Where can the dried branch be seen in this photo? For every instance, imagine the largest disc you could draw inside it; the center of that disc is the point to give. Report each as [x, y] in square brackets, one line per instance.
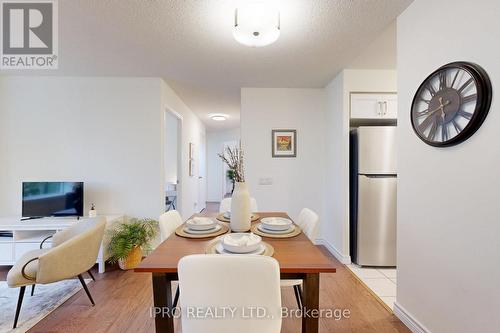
[233, 157]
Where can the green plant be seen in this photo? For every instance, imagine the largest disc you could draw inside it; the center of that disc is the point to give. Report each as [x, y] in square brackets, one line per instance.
[126, 236]
[231, 175]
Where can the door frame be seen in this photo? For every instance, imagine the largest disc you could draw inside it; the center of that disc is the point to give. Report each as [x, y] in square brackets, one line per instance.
[180, 185]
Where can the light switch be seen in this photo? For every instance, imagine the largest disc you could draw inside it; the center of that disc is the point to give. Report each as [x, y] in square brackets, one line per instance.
[265, 181]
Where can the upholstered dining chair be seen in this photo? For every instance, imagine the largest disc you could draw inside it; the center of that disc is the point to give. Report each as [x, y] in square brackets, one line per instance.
[170, 221]
[308, 222]
[73, 252]
[239, 282]
[225, 205]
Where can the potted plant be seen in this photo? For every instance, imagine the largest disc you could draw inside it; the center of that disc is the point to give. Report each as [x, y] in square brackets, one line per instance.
[231, 176]
[240, 200]
[128, 240]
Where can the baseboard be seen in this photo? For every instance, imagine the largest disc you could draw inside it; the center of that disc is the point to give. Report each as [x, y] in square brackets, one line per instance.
[340, 257]
[414, 325]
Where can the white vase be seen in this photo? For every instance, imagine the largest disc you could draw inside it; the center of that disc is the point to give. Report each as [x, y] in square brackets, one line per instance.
[240, 208]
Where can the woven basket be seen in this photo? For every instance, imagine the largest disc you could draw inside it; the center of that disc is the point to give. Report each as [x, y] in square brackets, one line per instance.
[132, 260]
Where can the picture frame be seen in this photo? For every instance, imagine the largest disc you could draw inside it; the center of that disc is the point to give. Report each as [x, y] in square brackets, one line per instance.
[191, 159]
[284, 143]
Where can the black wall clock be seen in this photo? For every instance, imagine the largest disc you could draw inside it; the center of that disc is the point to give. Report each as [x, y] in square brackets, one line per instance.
[451, 104]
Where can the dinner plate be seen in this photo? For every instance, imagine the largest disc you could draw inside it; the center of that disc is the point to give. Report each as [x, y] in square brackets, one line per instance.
[220, 249]
[201, 232]
[267, 231]
[204, 224]
[276, 223]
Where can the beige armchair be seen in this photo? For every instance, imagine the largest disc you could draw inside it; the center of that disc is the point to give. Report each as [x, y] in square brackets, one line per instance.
[73, 252]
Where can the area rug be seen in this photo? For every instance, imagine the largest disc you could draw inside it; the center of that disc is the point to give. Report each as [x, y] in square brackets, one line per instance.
[45, 300]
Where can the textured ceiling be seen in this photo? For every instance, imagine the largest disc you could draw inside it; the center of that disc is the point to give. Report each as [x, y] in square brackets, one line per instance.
[190, 44]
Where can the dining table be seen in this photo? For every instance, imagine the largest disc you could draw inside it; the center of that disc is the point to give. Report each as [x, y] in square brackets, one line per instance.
[297, 256]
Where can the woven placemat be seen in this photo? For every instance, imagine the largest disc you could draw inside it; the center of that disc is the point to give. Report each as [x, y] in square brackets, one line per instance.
[221, 217]
[210, 249]
[180, 232]
[297, 231]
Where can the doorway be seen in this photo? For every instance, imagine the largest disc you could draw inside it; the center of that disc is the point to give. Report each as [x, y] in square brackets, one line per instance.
[172, 163]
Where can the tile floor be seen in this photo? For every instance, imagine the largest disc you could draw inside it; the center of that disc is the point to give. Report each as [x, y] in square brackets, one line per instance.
[382, 281]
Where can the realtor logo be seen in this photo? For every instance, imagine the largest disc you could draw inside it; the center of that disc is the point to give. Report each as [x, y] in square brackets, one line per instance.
[29, 34]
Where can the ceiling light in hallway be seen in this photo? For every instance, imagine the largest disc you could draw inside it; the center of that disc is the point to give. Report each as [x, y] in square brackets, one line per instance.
[218, 117]
[256, 24]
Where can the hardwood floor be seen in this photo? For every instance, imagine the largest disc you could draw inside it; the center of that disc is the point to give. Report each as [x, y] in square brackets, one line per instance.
[123, 300]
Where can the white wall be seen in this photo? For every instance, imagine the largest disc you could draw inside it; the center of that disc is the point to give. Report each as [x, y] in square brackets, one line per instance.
[193, 131]
[171, 133]
[215, 167]
[336, 232]
[107, 132]
[297, 182]
[448, 220]
[103, 131]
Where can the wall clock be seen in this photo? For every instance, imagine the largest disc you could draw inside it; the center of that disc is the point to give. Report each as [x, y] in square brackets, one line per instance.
[451, 104]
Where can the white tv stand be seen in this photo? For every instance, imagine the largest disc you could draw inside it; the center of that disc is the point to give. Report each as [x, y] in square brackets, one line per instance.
[28, 234]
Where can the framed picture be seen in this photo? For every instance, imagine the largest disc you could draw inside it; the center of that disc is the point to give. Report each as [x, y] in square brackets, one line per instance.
[284, 143]
[191, 159]
[191, 167]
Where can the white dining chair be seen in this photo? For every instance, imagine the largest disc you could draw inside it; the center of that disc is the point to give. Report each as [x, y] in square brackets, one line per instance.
[239, 282]
[308, 222]
[225, 205]
[169, 221]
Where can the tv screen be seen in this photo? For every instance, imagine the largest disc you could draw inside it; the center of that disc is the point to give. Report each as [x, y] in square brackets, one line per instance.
[42, 199]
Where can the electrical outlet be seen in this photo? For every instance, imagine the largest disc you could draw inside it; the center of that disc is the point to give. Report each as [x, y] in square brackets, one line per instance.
[265, 181]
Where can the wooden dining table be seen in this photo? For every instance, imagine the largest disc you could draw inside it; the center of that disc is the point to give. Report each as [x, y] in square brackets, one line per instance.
[298, 258]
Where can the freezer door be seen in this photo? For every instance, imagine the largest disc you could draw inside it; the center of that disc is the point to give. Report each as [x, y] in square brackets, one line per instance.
[376, 150]
[376, 225]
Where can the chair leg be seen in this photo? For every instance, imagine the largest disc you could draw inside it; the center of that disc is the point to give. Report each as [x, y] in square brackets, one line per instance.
[91, 276]
[32, 290]
[19, 302]
[298, 295]
[82, 281]
[176, 298]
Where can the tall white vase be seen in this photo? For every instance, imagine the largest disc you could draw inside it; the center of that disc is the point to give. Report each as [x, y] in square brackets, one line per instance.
[240, 208]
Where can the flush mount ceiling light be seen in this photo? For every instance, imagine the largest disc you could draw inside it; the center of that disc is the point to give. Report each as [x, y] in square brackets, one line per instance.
[218, 117]
[256, 24]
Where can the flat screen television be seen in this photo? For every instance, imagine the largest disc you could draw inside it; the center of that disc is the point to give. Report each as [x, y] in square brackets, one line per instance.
[43, 199]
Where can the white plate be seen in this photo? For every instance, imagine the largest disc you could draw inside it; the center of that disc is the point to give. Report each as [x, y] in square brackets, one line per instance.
[235, 242]
[220, 249]
[278, 232]
[276, 223]
[201, 232]
[202, 223]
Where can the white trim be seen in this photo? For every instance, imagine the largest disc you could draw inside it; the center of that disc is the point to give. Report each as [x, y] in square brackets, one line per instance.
[345, 259]
[413, 324]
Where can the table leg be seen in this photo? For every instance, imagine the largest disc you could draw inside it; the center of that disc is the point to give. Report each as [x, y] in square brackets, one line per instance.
[310, 323]
[162, 298]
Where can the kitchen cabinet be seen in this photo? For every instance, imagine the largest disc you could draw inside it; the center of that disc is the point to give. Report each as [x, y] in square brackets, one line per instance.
[374, 106]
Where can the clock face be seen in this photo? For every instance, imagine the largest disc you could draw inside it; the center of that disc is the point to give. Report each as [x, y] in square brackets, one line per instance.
[451, 104]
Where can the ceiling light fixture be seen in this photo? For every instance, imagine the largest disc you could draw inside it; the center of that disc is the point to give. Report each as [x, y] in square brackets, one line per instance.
[218, 117]
[256, 24]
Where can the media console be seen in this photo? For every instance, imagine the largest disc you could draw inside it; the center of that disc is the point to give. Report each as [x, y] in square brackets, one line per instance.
[27, 235]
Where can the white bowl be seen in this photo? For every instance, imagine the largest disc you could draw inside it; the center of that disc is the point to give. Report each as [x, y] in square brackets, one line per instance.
[241, 242]
[200, 223]
[276, 223]
[227, 214]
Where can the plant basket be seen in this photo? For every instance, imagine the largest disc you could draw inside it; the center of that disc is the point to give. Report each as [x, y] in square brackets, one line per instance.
[132, 260]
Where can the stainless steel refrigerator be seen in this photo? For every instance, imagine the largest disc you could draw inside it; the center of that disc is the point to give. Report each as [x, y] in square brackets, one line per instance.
[373, 188]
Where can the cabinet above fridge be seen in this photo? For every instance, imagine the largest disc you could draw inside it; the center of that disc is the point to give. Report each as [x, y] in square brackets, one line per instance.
[376, 107]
